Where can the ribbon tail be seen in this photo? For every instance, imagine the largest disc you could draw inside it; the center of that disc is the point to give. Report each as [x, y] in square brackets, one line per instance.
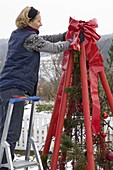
[95, 101]
[95, 120]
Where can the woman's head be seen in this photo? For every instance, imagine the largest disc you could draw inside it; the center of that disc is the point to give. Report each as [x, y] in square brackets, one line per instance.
[29, 16]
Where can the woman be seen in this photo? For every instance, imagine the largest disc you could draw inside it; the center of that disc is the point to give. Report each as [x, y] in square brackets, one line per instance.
[20, 73]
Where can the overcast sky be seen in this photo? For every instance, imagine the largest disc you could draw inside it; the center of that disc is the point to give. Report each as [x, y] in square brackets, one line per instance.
[55, 14]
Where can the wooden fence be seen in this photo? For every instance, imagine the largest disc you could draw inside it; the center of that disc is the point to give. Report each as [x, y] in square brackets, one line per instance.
[40, 128]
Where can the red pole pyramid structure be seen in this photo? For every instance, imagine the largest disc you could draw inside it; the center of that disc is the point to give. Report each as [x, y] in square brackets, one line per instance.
[84, 41]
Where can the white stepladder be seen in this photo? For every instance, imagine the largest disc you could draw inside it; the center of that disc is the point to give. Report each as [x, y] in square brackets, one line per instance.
[5, 147]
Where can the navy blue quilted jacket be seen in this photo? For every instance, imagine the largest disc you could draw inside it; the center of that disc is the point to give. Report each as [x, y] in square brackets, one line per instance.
[21, 67]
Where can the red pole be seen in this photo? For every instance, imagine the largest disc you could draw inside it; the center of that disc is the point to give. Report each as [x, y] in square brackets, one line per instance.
[56, 112]
[61, 116]
[86, 109]
[49, 137]
[51, 126]
[107, 89]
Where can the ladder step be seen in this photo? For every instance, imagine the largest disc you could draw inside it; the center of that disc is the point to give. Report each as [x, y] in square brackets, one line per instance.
[23, 163]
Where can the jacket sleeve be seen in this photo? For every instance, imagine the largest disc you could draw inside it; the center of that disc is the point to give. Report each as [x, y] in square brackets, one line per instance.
[54, 38]
[38, 43]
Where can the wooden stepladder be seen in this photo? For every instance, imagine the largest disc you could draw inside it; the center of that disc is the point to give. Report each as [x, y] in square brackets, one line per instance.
[5, 147]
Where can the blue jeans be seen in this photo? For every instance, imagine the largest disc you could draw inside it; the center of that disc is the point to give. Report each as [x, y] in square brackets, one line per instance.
[16, 120]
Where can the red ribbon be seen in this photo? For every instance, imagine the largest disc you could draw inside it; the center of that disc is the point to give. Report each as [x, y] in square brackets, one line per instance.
[95, 66]
[95, 60]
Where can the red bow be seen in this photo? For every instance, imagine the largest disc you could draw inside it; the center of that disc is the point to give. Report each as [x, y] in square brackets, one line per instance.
[94, 58]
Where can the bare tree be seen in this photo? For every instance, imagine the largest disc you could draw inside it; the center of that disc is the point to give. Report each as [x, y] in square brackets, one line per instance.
[50, 72]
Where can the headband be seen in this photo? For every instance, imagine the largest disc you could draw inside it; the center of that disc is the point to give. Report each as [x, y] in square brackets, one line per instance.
[32, 13]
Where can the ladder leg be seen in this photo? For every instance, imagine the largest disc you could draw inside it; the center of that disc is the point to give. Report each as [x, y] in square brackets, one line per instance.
[8, 156]
[36, 153]
[28, 146]
[31, 141]
[3, 144]
[7, 122]
[1, 153]
[9, 163]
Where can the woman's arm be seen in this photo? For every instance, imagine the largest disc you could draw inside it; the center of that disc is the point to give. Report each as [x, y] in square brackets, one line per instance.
[37, 43]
